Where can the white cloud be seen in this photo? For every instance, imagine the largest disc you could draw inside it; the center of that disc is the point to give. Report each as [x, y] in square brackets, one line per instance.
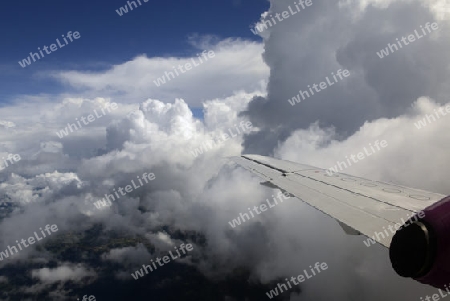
[62, 273]
[237, 65]
[411, 153]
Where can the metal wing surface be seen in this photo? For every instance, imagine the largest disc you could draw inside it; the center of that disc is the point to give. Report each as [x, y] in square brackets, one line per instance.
[362, 205]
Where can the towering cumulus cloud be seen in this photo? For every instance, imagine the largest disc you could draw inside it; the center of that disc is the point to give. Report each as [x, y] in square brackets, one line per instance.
[331, 35]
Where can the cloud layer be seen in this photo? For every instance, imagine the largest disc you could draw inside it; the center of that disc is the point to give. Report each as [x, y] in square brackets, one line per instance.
[236, 65]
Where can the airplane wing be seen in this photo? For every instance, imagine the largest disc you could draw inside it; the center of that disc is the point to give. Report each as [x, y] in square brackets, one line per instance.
[361, 206]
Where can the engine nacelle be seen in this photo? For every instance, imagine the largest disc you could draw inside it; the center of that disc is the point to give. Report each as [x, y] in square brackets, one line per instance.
[421, 249]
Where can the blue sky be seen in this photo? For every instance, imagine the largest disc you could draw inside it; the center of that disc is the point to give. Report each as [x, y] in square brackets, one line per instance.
[157, 28]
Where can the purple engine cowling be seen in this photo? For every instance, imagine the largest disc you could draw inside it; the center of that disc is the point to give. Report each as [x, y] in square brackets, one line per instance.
[421, 249]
